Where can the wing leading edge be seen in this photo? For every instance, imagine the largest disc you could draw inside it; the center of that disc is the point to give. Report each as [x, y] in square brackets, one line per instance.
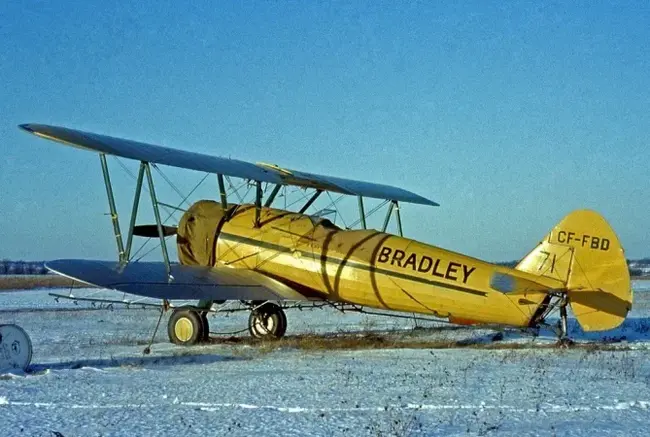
[213, 164]
[190, 282]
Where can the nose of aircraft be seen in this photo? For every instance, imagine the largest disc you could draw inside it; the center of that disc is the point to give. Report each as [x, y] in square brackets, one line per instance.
[197, 233]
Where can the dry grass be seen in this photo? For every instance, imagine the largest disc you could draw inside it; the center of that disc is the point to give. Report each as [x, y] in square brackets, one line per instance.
[30, 282]
[368, 341]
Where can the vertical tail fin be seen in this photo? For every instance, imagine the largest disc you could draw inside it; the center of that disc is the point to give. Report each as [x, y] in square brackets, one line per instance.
[585, 254]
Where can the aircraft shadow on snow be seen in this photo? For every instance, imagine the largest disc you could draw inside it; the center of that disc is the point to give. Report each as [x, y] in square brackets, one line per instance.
[137, 361]
[632, 330]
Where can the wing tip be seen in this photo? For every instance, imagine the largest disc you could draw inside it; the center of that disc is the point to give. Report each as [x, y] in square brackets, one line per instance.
[425, 201]
[26, 127]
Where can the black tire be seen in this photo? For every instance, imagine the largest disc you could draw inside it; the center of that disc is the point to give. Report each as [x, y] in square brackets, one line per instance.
[283, 324]
[267, 322]
[185, 327]
[206, 327]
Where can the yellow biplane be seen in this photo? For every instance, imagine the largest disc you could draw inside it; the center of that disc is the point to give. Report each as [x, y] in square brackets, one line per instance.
[273, 259]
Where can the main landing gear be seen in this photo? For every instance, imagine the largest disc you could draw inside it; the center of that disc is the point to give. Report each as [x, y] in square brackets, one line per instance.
[267, 321]
[189, 325]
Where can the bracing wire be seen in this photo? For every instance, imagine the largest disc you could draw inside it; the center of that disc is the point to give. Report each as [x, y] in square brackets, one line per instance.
[235, 191]
[371, 212]
[169, 216]
[304, 196]
[180, 194]
[130, 173]
[333, 203]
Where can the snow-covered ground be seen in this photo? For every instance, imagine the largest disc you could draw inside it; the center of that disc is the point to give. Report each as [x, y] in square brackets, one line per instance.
[89, 377]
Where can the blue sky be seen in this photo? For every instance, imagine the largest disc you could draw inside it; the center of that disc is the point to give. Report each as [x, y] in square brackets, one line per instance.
[509, 115]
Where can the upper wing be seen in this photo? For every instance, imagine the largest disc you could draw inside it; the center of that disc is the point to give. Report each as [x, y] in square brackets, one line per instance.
[213, 164]
[189, 282]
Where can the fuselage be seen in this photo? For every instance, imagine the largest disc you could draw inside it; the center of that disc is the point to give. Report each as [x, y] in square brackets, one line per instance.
[376, 269]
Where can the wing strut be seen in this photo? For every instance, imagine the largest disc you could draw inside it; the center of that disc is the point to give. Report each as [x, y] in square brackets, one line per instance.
[124, 253]
[156, 212]
[399, 218]
[272, 196]
[222, 192]
[393, 206]
[258, 202]
[388, 214]
[134, 213]
[362, 214]
[111, 205]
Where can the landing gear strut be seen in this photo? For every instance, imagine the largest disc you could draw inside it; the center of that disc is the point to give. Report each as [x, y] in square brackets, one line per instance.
[563, 322]
[267, 321]
[564, 340]
[188, 326]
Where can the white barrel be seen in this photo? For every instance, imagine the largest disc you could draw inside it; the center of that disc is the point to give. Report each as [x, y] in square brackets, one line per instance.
[15, 348]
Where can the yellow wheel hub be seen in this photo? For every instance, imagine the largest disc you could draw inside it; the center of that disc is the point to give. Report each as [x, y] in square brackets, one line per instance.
[183, 329]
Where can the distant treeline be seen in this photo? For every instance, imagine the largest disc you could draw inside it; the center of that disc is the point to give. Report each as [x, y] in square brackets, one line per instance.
[638, 267]
[22, 267]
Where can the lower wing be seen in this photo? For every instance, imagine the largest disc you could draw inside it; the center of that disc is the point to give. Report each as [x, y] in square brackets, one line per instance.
[187, 282]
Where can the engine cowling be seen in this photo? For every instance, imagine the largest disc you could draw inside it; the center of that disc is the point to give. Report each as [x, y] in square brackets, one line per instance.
[197, 233]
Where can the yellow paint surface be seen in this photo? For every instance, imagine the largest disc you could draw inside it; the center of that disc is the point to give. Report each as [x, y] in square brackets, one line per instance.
[376, 269]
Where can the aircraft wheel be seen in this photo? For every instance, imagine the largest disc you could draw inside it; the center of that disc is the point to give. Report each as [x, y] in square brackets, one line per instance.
[186, 327]
[267, 322]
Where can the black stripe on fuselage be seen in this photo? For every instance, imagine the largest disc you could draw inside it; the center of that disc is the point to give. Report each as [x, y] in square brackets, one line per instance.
[357, 265]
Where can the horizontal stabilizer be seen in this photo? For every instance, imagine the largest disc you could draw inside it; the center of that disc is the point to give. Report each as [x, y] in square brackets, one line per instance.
[188, 282]
[214, 164]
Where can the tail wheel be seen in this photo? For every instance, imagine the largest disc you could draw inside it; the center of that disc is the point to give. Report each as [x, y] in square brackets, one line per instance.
[186, 327]
[267, 322]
